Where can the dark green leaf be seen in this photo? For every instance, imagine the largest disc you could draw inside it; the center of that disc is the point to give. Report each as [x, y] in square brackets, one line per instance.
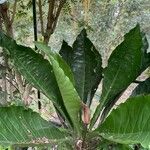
[124, 66]
[144, 64]
[129, 123]
[85, 62]
[67, 53]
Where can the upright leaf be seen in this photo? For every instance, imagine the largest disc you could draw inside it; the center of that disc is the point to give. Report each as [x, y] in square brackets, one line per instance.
[123, 67]
[23, 126]
[85, 62]
[65, 83]
[129, 123]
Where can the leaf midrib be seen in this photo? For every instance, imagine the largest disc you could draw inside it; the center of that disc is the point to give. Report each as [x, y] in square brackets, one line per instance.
[84, 75]
[43, 90]
[110, 88]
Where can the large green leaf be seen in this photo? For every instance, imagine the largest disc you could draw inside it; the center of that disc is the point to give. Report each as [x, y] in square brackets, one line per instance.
[64, 80]
[35, 69]
[85, 62]
[142, 89]
[144, 64]
[129, 123]
[23, 126]
[124, 66]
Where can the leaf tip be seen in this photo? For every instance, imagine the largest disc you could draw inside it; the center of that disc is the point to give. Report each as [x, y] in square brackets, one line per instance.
[83, 32]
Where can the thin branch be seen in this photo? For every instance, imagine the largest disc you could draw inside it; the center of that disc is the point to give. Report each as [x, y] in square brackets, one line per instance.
[50, 19]
[14, 11]
[41, 17]
[26, 94]
[19, 81]
[61, 4]
[7, 74]
[6, 19]
[12, 84]
[74, 18]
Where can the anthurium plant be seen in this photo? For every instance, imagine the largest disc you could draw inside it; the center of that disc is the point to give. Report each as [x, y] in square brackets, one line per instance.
[70, 79]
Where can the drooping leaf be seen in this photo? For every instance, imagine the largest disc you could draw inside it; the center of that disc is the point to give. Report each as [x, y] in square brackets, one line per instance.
[64, 80]
[35, 69]
[85, 62]
[129, 123]
[23, 126]
[142, 89]
[123, 67]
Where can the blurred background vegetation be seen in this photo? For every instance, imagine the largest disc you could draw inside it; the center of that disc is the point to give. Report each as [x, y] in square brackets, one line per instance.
[106, 21]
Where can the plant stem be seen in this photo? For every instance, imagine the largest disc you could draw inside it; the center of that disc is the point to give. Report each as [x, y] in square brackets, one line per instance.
[84, 136]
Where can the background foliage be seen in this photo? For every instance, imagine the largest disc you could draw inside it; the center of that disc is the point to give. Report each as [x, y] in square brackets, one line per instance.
[107, 21]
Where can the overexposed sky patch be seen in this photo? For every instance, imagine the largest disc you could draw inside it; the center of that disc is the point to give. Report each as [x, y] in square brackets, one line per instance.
[2, 1]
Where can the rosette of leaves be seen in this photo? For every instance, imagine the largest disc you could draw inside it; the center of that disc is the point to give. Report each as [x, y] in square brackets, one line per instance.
[70, 79]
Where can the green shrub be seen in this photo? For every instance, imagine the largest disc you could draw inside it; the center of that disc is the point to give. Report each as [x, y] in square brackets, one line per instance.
[70, 80]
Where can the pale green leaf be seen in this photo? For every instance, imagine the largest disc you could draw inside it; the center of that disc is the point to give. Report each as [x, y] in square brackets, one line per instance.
[64, 80]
